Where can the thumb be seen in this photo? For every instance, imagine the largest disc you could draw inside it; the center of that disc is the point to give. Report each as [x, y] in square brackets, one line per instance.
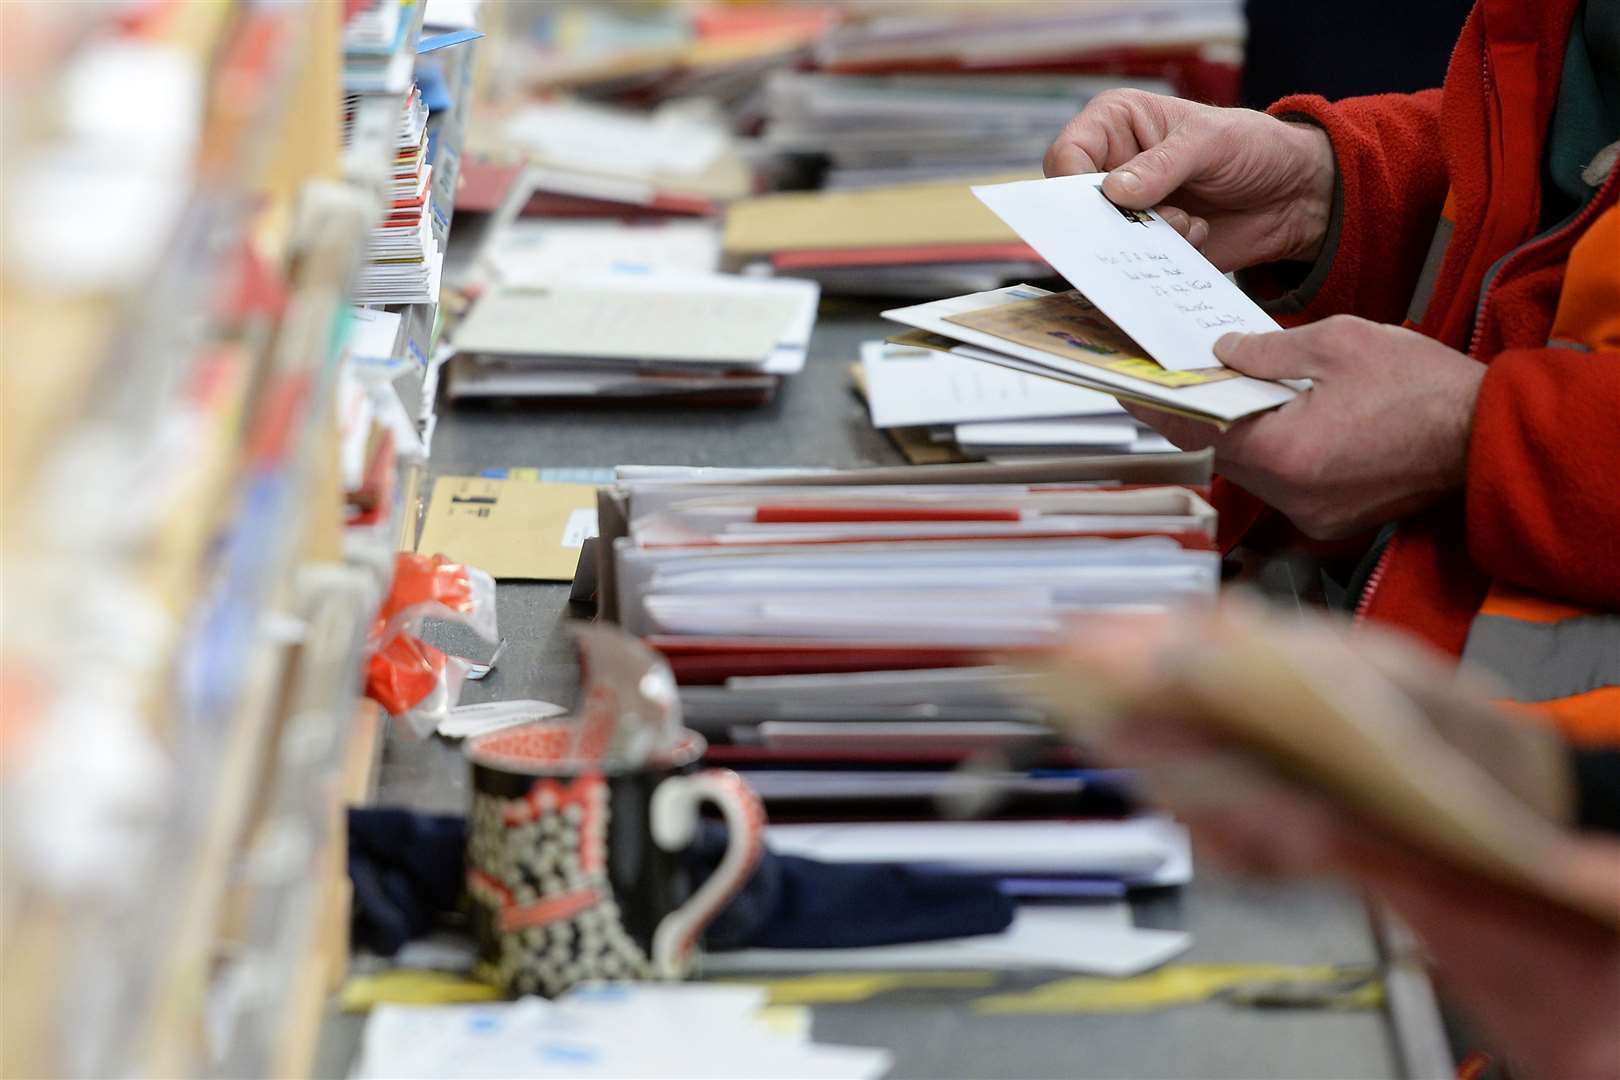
[1275, 355]
[1152, 176]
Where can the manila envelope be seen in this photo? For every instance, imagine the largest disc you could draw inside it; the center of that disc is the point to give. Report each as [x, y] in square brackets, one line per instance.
[512, 529]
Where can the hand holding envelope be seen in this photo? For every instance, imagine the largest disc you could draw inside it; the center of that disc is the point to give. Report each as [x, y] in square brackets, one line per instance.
[1230, 703]
[1299, 749]
[1140, 323]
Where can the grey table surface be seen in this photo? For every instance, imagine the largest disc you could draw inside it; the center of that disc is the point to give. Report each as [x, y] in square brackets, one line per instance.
[817, 420]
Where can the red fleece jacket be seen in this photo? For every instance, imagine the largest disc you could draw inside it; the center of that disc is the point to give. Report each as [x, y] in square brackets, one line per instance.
[1461, 168]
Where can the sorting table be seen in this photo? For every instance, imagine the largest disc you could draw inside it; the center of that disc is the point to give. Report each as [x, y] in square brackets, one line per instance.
[934, 1032]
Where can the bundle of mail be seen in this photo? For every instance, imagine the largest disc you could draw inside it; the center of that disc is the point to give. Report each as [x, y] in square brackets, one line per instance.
[940, 407]
[585, 160]
[831, 611]
[649, 53]
[905, 240]
[1139, 325]
[1166, 38]
[881, 130]
[676, 337]
[377, 52]
[402, 261]
[841, 638]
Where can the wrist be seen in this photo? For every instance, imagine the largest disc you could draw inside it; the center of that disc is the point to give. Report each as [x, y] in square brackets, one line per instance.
[1464, 400]
[1316, 176]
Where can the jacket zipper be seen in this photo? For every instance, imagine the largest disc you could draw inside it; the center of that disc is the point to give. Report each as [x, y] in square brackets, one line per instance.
[1373, 579]
[1369, 588]
[1586, 212]
[1492, 276]
[1589, 210]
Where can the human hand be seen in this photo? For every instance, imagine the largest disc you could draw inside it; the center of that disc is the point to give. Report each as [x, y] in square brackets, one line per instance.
[1382, 433]
[1542, 979]
[1244, 187]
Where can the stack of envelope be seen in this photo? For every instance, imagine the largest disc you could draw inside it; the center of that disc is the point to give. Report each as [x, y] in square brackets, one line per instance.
[377, 45]
[881, 130]
[717, 338]
[1140, 324]
[938, 407]
[403, 263]
[906, 240]
[587, 160]
[857, 617]
[1197, 46]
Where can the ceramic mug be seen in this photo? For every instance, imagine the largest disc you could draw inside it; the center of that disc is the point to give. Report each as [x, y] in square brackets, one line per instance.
[574, 868]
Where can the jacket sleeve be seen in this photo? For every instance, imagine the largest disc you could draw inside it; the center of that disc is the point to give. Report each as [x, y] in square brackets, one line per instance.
[1543, 501]
[1390, 184]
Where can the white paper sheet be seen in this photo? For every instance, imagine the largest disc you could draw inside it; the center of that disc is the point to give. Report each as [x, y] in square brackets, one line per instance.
[1089, 432]
[452, 14]
[907, 387]
[1092, 939]
[1141, 272]
[372, 332]
[622, 141]
[674, 324]
[715, 1030]
[1150, 850]
[545, 251]
[717, 319]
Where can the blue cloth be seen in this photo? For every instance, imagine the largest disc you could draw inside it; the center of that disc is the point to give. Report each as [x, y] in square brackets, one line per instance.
[408, 873]
[797, 903]
[407, 870]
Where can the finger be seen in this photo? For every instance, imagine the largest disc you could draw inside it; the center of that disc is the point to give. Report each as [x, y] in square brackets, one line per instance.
[1197, 232]
[1082, 147]
[1176, 218]
[1185, 433]
[1068, 159]
[1278, 355]
[1110, 130]
[1156, 173]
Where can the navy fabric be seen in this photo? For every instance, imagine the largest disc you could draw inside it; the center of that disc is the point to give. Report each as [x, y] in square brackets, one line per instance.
[798, 903]
[407, 869]
[408, 872]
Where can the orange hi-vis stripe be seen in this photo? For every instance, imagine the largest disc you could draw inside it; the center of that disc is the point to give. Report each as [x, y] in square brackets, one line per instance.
[1589, 719]
[1560, 663]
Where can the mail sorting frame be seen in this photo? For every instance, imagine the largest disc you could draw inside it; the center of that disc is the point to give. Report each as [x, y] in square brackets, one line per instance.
[817, 421]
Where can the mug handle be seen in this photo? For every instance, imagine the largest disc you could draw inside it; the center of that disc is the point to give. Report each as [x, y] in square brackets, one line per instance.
[674, 814]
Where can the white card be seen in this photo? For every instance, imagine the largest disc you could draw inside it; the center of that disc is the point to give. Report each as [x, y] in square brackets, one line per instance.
[675, 321]
[907, 387]
[1143, 274]
[1148, 849]
[1115, 431]
[1092, 939]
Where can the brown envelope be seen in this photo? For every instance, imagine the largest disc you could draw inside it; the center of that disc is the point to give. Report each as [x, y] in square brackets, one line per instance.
[512, 529]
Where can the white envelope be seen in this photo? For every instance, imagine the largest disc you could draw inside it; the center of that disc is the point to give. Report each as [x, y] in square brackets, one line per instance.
[1138, 270]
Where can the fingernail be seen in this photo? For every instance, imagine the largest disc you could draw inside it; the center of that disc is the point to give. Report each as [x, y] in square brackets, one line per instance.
[1227, 344]
[1126, 181]
[1198, 232]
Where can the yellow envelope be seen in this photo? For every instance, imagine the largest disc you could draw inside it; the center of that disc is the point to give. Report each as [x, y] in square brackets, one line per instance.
[910, 215]
[512, 529]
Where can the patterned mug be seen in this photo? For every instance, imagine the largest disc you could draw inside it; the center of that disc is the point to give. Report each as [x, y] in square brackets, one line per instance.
[574, 868]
